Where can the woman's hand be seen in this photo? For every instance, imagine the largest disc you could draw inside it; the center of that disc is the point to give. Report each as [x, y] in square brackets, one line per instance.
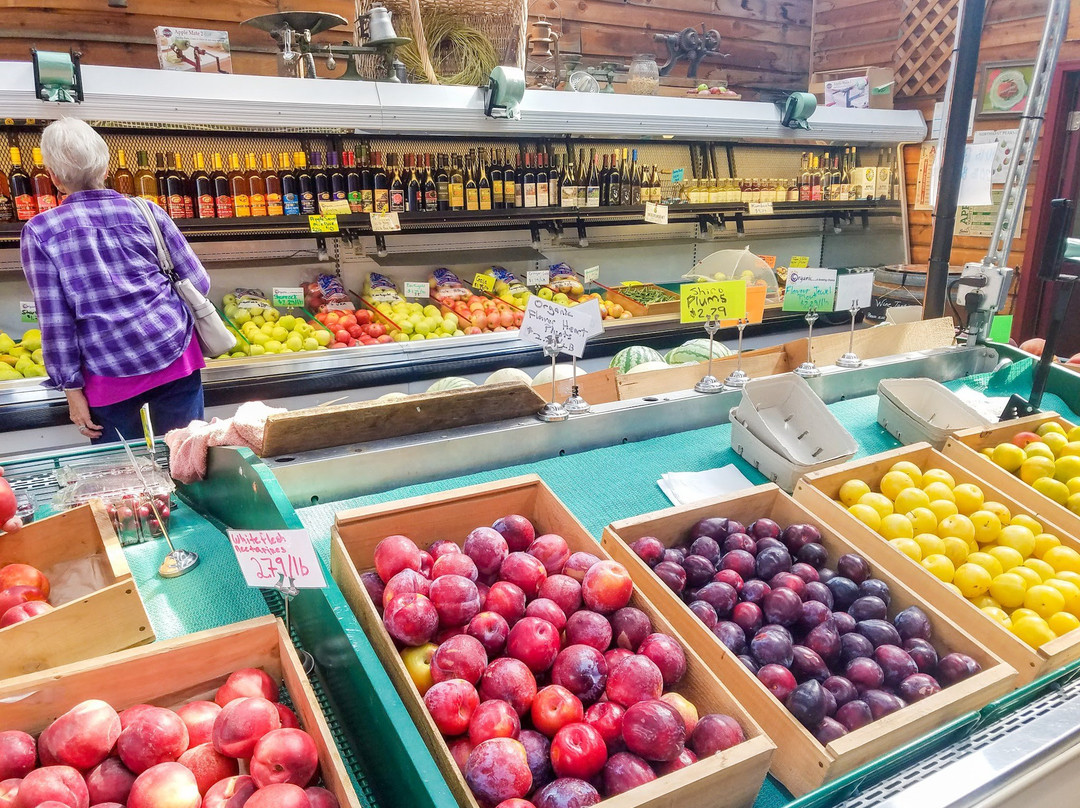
[80, 414]
[12, 524]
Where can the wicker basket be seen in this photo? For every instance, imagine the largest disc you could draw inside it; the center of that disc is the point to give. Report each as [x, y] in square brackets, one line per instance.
[503, 22]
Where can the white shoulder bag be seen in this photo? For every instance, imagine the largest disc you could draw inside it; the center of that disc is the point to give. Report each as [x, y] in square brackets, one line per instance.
[214, 337]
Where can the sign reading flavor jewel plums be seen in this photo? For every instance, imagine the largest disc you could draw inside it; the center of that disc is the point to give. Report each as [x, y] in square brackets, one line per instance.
[568, 326]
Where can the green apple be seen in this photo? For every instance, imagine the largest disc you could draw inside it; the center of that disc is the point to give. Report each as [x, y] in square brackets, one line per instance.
[422, 328]
[323, 337]
[432, 311]
[288, 322]
[271, 314]
[257, 350]
[310, 344]
[279, 333]
[273, 346]
[259, 320]
[400, 336]
[242, 316]
[416, 337]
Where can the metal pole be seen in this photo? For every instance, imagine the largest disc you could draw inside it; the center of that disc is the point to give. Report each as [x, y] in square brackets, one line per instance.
[966, 59]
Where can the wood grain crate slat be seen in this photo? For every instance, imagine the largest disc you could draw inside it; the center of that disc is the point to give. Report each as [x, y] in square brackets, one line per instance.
[966, 445]
[730, 779]
[171, 672]
[801, 763]
[818, 492]
[109, 619]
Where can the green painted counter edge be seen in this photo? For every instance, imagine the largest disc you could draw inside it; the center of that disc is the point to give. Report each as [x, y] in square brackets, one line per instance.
[241, 492]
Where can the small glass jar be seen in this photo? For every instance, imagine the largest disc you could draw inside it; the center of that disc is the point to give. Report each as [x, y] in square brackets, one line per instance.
[644, 75]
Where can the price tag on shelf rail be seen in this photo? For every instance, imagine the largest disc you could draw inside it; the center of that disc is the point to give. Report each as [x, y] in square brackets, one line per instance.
[571, 326]
[537, 277]
[799, 262]
[719, 300]
[485, 283]
[338, 207]
[761, 208]
[417, 289]
[385, 222]
[854, 290]
[810, 290]
[27, 311]
[265, 555]
[677, 174]
[288, 297]
[591, 275]
[655, 214]
[323, 224]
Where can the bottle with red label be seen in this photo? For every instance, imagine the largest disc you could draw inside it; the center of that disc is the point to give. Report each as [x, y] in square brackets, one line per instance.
[41, 182]
[238, 187]
[256, 187]
[175, 190]
[202, 188]
[22, 192]
[7, 209]
[219, 183]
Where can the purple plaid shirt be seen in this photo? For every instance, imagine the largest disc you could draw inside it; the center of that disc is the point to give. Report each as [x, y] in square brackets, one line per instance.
[103, 304]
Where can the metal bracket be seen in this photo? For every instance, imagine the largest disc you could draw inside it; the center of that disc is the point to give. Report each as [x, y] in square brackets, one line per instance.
[380, 245]
[582, 236]
[740, 224]
[534, 234]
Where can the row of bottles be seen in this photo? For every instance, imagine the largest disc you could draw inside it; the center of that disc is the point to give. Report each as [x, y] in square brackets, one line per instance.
[298, 183]
[828, 177]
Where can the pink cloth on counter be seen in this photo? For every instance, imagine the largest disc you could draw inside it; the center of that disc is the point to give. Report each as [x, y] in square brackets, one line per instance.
[101, 391]
[188, 446]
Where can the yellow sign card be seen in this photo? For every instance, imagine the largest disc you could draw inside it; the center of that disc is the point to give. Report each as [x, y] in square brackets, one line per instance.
[323, 224]
[485, 283]
[720, 300]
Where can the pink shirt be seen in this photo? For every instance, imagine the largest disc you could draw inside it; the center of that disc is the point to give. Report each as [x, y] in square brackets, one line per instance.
[104, 390]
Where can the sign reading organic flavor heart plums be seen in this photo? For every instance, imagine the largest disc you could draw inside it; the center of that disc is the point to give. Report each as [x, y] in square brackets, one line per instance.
[266, 555]
[569, 326]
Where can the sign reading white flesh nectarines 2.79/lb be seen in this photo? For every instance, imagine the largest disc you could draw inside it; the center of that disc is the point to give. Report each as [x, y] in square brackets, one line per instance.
[268, 556]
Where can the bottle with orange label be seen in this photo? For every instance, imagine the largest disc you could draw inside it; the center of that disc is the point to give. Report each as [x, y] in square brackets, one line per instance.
[222, 192]
[274, 199]
[256, 187]
[202, 188]
[41, 182]
[238, 188]
[22, 191]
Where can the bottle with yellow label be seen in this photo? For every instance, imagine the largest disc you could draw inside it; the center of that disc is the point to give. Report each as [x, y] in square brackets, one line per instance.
[238, 185]
[256, 187]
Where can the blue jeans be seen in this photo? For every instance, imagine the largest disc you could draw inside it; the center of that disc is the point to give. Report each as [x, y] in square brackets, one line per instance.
[173, 405]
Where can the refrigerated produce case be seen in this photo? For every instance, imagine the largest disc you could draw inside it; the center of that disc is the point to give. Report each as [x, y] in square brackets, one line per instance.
[604, 467]
[166, 112]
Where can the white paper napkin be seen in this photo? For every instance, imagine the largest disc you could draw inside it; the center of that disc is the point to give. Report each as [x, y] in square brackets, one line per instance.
[684, 487]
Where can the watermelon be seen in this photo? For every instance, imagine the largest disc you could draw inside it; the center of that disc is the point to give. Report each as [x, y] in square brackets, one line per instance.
[564, 371]
[392, 397]
[696, 350]
[508, 375]
[450, 383]
[627, 358]
[645, 367]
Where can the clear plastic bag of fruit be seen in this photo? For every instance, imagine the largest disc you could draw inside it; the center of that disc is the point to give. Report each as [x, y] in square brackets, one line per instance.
[447, 287]
[562, 278]
[379, 288]
[326, 293]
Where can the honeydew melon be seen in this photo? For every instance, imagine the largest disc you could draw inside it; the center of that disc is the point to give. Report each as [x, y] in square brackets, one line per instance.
[561, 372]
[508, 375]
[645, 367]
[450, 383]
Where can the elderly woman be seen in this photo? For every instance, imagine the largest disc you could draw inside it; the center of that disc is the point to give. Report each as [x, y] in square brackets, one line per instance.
[114, 333]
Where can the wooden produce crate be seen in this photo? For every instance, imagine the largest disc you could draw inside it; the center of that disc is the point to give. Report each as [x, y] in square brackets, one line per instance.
[801, 762]
[731, 778]
[110, 619]
[818, 490]
[174, 672]
[668, 306]
[966, 445]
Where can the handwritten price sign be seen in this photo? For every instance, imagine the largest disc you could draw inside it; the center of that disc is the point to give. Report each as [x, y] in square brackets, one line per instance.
[568, 326]
[722, 300]
[485, 283]
[810, 290]
[267, 555]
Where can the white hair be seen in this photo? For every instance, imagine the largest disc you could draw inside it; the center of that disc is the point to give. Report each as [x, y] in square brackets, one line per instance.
[76, 155]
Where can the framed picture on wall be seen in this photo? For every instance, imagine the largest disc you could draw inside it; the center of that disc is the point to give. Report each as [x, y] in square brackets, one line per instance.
[1004, 89]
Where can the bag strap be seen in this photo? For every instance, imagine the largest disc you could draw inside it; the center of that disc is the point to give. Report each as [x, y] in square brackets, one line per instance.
[165, 262]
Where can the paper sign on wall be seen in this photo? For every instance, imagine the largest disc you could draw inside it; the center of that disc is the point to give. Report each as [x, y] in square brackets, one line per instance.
[416, 289]
[1006, 148]
[537, 277]
[978, 170]
[755, 305]
[288, 297]
[854, 290]
[719, 300]
[266, 555]
[485, 283]
[810, 290]
[27, 311]
[568, 326]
